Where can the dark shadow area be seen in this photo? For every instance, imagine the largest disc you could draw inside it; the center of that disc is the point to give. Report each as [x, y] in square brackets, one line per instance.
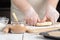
[5, 9]
[58, 8]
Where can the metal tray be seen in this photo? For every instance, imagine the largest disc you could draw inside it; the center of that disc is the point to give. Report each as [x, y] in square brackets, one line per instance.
[46, 35]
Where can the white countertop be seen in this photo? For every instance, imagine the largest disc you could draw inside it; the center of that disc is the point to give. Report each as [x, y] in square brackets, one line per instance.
[27, 36]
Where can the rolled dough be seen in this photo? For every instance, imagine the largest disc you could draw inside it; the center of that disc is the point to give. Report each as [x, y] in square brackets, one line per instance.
[44, 24]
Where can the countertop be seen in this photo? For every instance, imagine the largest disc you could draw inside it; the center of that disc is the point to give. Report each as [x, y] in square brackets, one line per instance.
[25, 36]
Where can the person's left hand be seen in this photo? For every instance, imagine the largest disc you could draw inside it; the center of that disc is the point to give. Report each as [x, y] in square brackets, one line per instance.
[51, 15]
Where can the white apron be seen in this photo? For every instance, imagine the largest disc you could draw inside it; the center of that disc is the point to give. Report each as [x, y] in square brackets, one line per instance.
[38, 5]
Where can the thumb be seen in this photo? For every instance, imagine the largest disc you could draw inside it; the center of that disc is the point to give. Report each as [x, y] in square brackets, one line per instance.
[44, 19]
[38, 20]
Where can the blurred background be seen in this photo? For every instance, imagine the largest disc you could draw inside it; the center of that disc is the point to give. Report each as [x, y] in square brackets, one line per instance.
[5, 9]
[58, 8]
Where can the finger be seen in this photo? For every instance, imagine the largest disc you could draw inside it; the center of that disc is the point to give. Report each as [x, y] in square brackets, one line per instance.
[38, 20]
[25, 20]
[44, 19]
[33, 21]
[29, 21]
[48, 19]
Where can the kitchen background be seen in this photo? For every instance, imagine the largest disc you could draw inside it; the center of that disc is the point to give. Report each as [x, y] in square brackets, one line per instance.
[5, 6]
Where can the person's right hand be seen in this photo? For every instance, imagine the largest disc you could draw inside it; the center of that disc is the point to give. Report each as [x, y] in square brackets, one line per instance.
[51, 15]
[32, 18]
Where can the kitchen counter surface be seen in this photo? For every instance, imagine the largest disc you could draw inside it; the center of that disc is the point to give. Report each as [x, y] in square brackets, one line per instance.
[25, 36]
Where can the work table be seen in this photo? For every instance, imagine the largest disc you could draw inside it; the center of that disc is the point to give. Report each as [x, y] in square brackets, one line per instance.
[27, 36]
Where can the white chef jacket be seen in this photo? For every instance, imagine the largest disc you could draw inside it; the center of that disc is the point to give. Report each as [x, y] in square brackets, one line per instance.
[38, 5]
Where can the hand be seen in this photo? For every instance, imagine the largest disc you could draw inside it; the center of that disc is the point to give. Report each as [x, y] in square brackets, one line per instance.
[31, 18]
[51, 15]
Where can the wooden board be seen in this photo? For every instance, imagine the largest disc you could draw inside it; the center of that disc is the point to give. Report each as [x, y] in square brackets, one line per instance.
[38, 30]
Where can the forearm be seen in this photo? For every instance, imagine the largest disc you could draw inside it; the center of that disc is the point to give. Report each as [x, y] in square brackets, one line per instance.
[23, 5]
[53, 3]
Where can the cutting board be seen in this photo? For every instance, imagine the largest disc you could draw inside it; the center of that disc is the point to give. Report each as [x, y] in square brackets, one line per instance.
[37, 30]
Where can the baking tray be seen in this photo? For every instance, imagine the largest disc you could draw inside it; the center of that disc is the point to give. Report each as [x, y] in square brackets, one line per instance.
[46, 35]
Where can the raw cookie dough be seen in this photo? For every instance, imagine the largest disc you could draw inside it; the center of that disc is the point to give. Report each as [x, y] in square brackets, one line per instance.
[44, 24]
[16, 28]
